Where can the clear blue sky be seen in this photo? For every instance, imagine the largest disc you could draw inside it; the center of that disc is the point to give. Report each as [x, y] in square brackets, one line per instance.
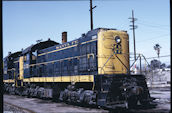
[26, 22]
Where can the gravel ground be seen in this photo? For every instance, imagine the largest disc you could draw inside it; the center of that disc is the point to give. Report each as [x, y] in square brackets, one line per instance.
[8, 108]
[47, 106]
[162, 96]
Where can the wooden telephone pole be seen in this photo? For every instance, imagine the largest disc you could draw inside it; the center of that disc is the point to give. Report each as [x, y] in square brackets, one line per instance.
[133, 27]
[91, 14]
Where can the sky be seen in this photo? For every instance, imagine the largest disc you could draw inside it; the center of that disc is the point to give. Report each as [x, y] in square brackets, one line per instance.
[24, 22]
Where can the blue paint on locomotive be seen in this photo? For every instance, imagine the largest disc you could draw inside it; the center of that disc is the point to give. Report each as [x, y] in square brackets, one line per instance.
[11, 66]
[67, 59]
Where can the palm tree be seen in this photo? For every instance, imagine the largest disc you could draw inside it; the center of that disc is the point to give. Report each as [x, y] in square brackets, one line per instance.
[157, 48]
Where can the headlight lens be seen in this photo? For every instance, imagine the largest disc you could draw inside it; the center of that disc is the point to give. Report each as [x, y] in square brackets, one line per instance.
[118, 39]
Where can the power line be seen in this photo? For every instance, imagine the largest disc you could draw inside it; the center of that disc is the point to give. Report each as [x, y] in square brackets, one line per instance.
[154, 26]
[159, 57]
[160, 36]
[152, 57]
[152, 23]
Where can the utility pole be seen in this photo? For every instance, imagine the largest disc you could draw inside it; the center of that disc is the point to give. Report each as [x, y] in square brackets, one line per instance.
[91, 14]
[133, 27]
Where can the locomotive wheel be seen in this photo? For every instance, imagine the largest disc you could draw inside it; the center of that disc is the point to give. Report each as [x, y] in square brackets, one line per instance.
[132, 102]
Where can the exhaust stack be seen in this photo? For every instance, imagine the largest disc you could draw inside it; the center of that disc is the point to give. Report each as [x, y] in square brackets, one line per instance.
[64, 37]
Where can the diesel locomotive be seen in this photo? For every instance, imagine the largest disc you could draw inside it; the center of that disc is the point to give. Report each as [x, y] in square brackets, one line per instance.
[93, 69]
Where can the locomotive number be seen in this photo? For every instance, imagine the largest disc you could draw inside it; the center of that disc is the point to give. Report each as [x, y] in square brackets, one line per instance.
[117, 49]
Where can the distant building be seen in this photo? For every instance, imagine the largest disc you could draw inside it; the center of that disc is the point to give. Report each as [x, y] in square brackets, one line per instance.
[167, 69]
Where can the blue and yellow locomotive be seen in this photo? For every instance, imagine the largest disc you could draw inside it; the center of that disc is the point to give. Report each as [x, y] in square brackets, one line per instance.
[93, 69]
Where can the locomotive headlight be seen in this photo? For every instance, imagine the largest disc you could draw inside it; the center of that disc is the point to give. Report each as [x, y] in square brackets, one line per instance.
[118, 39]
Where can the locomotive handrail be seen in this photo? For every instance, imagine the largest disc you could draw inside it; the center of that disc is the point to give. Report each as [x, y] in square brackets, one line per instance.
[139, 56]
[134, 61]
[128, 71]
[106, 62]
